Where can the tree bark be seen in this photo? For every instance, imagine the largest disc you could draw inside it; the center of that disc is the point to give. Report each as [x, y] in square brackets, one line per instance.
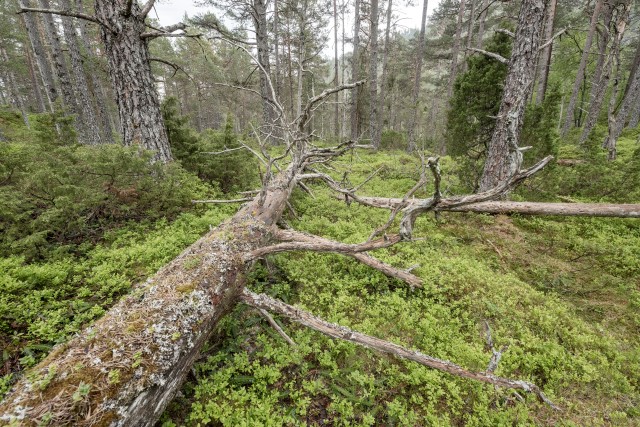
[355, 73]
[568, 122]
[483, 19]
[471, 24]
[99, 93]
[453, 73]
[41, 59]
[41, 106]
[385, 72]
[259, 15]
[14, 91]
[62, 72]
[545, 56]
[601, 76]
[504, 157]
[417, 79]
[373, 76]
[128, 56]
[336, 78]
[90, 124]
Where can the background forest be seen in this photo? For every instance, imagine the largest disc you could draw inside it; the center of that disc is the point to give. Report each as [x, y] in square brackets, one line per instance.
[101, 184]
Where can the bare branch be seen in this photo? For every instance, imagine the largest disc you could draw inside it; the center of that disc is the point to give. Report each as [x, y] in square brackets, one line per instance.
[246, 199]
[495, 354]
[548, 42]
[69, 13]
[147, 8]
[340, 332]
[306, 111]
[226, 150]
[175, 67]
[490, 54]
[275, 326]
[388, 270]
[507, 32]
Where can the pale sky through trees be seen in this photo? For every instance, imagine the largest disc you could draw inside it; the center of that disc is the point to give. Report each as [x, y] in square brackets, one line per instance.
[171, 11]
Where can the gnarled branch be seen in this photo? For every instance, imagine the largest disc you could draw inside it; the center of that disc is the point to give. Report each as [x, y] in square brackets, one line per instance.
[341, 332]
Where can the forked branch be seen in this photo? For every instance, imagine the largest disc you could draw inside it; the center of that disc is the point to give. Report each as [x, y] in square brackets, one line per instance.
[307, 319]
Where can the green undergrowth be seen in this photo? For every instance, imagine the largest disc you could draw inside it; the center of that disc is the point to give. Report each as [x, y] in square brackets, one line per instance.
[43, 303]
[562, 293]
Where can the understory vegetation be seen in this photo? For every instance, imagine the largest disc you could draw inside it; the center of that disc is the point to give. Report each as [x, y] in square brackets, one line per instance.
[80, 225]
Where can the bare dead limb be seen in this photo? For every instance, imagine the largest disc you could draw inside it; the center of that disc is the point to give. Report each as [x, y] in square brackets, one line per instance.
[341, 332]
[507, 32]
[226, 150]
[556, 35]
[495, 354]
[560, 209]
[147, 8]
[490, 54]
[69, 13]
[386, 269]
[275, 326]
[246, 199]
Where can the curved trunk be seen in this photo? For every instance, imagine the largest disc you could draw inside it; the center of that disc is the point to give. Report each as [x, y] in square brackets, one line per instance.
[503, 157]
[128, 56]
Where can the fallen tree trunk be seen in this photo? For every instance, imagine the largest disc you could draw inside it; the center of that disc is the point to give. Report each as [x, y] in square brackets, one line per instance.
[560, 209]
[124, 369]
[525, 208]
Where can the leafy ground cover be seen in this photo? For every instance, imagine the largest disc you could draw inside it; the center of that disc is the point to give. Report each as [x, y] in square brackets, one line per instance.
[562, 293]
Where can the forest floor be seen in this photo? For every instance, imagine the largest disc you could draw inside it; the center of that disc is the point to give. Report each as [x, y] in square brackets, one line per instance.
[562, 293]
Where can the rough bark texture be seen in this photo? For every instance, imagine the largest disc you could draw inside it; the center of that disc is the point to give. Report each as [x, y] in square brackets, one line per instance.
[616, 121]
[259, 16]
[373, 75]
[336, 78]
[355, 72]
[470, 25]
[41, 59]
[453, 72]
[601, 76]
[411, 130]
[99, 94]
[483, 18]
[41, 106]
[504, 157]
[545, 56]
[385, 72]
[13, 88]
[60, 66]
[91, 123]
[568, 122]
[152, 337]
[128, 56]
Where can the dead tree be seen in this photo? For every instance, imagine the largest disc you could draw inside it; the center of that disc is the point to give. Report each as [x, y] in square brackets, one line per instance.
[124, 369]
[126, 37]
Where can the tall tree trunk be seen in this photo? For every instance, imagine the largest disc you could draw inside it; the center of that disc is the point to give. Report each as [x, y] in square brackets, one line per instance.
[456, 48]
[41, 58]
[483, 19]
[617, 121]
[336, 78]
[128, 56]
[41, 107]
[545, 56]
[634, 67]
[99, 92]
[14, 91]
[373, 75]
[472, 22]
[601, 75]
[60, 66]
[355, 74]
[81, 85]
[568, 122]
[417, 79]
[276, 45]
[259, 13]
[504, 157]
[385, 71]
